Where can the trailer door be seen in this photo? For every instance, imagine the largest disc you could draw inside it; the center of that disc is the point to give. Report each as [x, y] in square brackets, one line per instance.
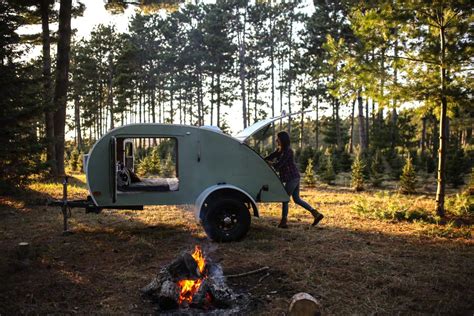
[113, 168]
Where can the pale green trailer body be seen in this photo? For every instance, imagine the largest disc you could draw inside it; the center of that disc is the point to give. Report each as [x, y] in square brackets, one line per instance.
[205, 158]
[211, 167]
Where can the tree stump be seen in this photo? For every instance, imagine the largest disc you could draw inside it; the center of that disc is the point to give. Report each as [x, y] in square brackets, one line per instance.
[23, 251]
[303, 304]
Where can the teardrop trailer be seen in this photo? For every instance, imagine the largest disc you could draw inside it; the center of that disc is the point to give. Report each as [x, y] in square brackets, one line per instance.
[220, 174]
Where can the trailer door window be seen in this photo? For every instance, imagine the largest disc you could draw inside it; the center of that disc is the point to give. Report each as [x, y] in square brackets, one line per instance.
[148, 164]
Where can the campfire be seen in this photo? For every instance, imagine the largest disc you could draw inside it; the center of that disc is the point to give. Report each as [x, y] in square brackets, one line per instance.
[190, 281]
[187, 287]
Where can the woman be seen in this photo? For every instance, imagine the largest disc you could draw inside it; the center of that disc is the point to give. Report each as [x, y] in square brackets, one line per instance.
[283, 161]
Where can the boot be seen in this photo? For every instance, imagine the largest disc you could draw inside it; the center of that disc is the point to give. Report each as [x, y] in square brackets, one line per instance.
[283, 223]
[317, 217]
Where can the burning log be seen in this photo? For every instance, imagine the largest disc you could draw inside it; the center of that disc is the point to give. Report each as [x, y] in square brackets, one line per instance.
[190, 281]
[184, 267]
[169, 295]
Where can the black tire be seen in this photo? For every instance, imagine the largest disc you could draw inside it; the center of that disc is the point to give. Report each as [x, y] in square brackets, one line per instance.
[226, 219]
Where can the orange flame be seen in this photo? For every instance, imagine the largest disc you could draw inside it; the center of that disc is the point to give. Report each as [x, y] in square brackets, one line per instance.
[199, 258]
[189, 287]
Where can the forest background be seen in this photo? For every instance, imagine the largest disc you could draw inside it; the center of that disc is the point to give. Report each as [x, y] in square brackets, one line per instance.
[389, 83]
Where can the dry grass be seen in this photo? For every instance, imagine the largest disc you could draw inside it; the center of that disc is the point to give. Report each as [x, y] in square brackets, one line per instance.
[351, 263]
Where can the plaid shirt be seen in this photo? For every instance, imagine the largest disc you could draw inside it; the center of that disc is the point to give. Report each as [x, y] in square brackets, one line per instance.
[285, 164]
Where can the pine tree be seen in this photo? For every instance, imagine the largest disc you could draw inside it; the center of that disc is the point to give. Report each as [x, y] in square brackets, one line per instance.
[470, 187]
[328, 175]
[455, 165]
[74, 160]
[376, 170]
[309, 174]
[408, 178]
[150, 165]
[357, 176]
[20, 107]
[168, 169]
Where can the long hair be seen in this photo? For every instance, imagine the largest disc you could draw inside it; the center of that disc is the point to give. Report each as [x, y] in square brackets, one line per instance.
[284, 140]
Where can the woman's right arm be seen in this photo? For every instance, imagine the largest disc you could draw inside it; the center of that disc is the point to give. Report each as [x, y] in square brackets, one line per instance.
[272, 156]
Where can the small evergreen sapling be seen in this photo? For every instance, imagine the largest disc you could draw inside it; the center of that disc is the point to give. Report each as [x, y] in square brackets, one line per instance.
[168, 170]
[150, 164]
[408, 178]
[357, 177]
[376, 170]
[73, 160]
[309, 174]
[328, 175]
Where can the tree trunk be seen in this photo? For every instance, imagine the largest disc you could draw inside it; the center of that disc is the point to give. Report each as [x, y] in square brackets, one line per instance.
[338, 125]
[317, 123]
[393, 134]
[280, 75]
[440, 191]
[351, 139]
[272, 67]
[289, 76]
[153, 103]
[47, 91]
[110, 98]
[367, 126]
[242, 70]
[212, 98]
[218, 100]
[77, 120]
[362, 126]
[62, 70]
[255, 93]
[423, 135]
[302, 119]
[172, 102]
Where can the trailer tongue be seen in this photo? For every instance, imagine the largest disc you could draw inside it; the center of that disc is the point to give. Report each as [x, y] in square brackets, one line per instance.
[87, 204]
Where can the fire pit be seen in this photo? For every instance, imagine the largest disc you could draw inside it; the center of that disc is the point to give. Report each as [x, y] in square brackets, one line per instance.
[191, 282]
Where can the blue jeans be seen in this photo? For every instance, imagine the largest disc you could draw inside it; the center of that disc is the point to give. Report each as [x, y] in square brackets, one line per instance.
[292, 187]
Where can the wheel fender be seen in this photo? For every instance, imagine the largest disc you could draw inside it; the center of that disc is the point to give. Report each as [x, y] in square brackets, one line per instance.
[212, 189]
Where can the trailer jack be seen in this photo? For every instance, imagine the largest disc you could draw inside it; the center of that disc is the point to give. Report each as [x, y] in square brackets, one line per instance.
[87, 204]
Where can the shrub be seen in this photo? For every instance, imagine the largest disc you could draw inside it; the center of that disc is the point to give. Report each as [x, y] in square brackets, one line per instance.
[357, 175]
[168, 169]
[150, 164]
[327, 173]
[426, 162]
[309, 174]
[395, 162]
[455, 165]
[75, 160]
[460, 204]
[408, 178]
[470, 187]
[391, 207]
[343, 161]
[306, 154]
[376, 170]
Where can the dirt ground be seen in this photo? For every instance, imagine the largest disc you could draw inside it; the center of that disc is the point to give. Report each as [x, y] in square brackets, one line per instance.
[351, 264]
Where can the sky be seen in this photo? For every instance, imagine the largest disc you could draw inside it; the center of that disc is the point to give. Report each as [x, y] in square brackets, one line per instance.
[95, 14]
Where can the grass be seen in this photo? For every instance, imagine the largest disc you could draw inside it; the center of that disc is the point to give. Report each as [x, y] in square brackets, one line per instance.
[353, 263]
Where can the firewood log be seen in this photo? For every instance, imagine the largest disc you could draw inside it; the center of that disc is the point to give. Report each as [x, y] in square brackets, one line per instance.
[184, 267]
[303, 304]
[169, 295]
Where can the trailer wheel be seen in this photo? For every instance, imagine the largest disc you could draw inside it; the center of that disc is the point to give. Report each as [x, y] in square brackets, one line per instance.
[226, 219]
